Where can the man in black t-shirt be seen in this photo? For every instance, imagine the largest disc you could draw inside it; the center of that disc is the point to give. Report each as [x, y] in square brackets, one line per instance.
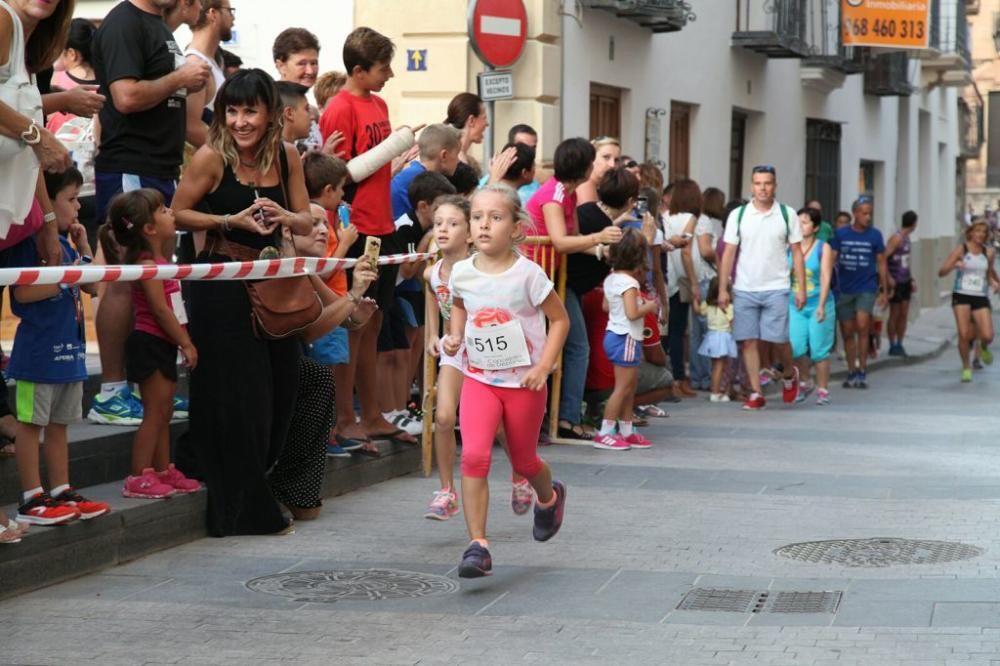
[142, 72]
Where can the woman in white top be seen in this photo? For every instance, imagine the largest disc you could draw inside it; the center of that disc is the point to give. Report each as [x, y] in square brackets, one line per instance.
[682, 281]
[970, 301]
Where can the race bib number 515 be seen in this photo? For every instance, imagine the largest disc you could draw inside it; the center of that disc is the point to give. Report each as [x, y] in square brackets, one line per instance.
[500, 347]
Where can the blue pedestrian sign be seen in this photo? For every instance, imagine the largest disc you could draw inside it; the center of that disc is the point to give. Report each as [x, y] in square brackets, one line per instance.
[416, 60]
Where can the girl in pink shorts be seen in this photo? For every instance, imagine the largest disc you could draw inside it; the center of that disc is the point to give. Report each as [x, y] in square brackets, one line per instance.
[501, 302]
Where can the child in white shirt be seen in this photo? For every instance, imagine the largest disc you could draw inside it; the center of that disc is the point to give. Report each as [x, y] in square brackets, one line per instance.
[623, 340]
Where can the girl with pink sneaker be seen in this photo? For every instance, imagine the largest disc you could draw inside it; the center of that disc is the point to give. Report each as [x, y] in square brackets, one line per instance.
[623, 340]
[453, 236]
[500, 304]
[142, 228]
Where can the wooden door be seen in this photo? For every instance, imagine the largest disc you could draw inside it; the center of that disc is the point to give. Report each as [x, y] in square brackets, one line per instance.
[680, 141]
[605, 111]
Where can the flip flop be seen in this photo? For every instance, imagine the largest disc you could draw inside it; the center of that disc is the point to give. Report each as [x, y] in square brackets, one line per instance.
[398, 436]
[369, 449]
[351, 444]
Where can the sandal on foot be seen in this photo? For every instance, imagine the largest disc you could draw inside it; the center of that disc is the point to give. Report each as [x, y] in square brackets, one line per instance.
[572, 431]
[369, 449]
[397, 436]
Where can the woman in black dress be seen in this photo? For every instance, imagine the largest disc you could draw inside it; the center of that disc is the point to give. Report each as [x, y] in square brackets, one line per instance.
[241, 188]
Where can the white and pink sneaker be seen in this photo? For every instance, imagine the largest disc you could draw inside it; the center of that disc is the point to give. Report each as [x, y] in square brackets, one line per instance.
[637, 441]
[611, 443]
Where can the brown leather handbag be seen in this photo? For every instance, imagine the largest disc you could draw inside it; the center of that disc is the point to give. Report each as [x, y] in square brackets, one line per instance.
[283, 307]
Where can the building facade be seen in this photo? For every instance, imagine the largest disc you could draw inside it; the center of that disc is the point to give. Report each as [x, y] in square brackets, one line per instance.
[982, 99]
[706, 89]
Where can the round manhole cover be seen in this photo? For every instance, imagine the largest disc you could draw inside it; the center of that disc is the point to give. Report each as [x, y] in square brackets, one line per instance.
[353, 585]
[878, 552]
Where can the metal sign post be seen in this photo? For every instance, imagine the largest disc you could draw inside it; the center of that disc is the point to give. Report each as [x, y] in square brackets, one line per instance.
[497, 32]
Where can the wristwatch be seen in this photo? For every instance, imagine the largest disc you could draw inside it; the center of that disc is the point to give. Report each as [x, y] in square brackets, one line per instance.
[49, 216]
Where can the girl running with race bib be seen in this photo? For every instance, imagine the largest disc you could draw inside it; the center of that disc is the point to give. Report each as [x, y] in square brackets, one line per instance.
[501, 302]
[970, 299]
[452, 236]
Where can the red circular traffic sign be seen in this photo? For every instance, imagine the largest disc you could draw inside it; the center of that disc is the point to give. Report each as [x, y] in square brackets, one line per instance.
[498, 30]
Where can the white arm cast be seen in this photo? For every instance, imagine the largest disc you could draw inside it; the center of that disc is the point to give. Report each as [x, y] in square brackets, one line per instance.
[368, 163]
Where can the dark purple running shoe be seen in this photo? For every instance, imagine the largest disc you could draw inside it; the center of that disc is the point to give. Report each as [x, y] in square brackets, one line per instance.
[548, 521]
[476, 562]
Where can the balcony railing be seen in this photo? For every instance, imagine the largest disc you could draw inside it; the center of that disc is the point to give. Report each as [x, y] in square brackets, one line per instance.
[971, 126]
[657, 15]
[948, 41]
[887, 75]
[775, 28]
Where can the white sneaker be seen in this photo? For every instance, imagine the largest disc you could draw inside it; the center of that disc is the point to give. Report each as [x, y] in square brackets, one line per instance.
[403, 421]
[718, 397]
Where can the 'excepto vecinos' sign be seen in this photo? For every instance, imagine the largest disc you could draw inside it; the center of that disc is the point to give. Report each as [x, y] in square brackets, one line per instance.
[903, 24]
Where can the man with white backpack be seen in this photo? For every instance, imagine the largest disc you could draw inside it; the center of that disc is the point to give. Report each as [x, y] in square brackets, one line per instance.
[757, 237]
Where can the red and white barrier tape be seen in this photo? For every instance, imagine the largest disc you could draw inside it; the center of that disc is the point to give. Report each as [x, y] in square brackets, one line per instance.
[233, 270]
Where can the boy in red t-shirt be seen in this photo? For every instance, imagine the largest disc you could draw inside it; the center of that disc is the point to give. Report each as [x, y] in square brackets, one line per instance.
[362, 118]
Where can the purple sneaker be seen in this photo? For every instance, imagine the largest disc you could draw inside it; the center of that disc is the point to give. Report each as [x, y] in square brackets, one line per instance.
[548, 521]
[476, 562]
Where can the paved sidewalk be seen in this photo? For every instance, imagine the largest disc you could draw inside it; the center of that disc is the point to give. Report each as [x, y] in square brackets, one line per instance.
[915, 457]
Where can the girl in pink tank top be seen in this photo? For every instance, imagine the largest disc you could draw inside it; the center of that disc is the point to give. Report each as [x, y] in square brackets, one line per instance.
[141, 229]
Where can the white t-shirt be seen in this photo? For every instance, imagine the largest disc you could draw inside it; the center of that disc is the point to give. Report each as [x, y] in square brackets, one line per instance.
[491, 299]
[763, 239]
[674, 226]
[713, 229]
[615, 286]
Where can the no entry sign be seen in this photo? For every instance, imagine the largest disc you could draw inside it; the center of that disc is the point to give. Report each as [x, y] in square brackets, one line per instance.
[497, 30]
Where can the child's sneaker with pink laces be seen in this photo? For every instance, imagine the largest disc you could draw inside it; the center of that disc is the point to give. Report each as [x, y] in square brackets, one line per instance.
[175, 478]
[637, 441]
[522, 496]
[611, 443]
[146, 486]
[443, 506]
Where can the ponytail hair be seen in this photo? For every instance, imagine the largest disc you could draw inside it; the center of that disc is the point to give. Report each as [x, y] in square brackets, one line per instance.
[122, 235]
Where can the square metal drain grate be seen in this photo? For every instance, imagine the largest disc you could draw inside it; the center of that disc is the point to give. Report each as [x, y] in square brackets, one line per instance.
[759, 601]
[720, 600]
[802, 602]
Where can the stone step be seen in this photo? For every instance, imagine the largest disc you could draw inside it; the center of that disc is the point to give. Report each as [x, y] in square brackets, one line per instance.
[97, 454]
[135, 528]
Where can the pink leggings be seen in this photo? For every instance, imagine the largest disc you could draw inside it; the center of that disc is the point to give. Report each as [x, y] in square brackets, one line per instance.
[480, 413]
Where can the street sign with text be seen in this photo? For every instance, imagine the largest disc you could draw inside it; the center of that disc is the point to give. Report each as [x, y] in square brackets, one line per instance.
[903, 24]
[496, 85]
